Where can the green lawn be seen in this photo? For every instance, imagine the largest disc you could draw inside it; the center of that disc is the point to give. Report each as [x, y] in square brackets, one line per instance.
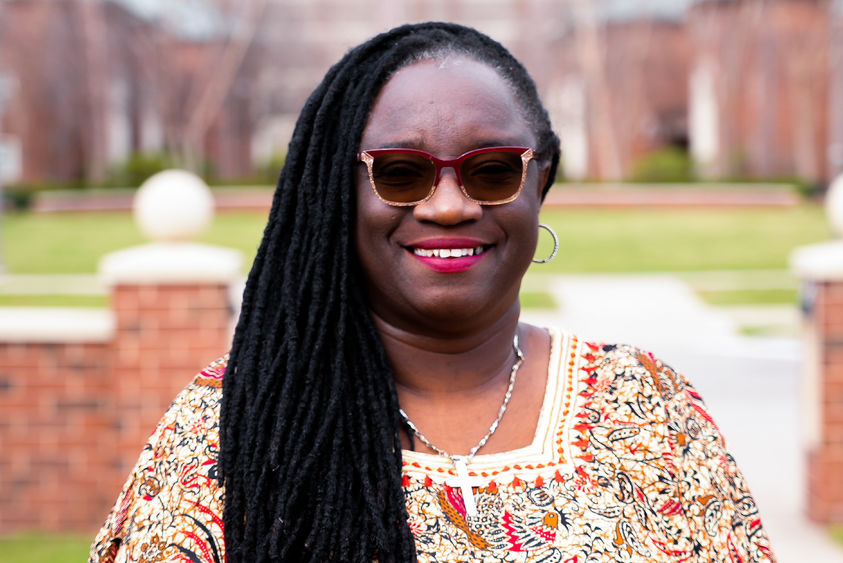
[750, 296]
[635, 240]
[591, 240]
[537, 300]
[44, 548]
[72, 243]
[39, 300]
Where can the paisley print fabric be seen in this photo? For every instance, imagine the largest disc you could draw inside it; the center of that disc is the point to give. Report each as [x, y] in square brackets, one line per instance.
[626, 465]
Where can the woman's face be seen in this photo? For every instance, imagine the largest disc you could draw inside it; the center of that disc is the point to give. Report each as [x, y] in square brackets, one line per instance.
[446, 108]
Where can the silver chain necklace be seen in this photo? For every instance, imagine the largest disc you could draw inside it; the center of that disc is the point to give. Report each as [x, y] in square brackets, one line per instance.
[463, 480]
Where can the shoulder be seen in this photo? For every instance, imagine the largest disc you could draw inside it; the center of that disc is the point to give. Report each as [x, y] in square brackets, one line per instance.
[622, 386]
[200, 398]
[628, 400]
[623, 369]
[642, 425]
[620, 396]
[633, 371]
[213, 374]
[172, 501]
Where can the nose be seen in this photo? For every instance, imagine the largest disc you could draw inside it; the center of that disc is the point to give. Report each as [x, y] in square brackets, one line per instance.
[448, 205]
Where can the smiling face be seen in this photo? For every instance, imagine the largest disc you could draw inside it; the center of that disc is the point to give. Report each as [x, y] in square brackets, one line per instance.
[447, 263]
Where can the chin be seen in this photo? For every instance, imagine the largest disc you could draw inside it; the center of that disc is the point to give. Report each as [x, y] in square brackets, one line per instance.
[455, 313]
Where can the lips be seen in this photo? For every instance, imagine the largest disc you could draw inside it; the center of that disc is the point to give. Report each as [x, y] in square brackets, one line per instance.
[448, 252]
[448, 255]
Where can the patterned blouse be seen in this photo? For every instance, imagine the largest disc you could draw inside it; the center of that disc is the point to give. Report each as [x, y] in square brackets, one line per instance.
[626, 465]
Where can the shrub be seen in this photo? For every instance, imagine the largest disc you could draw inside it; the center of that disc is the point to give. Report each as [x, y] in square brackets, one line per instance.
[17, 198]
[669, 164]
[268, 170]
[137, 168]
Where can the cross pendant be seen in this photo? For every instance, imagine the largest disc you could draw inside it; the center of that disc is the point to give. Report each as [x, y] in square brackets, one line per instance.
[465, 483]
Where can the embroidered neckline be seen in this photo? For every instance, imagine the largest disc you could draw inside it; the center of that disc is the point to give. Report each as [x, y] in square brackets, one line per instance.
[549, 448]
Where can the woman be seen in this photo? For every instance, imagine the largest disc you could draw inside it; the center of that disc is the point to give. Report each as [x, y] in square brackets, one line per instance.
[380, 337]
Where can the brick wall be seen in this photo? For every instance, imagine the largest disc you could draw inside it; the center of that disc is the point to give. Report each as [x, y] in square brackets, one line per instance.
[53, 416]
[825, 457]
[74, 416]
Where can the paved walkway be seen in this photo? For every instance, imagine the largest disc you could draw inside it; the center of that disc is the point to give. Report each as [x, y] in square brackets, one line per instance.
[751, 385]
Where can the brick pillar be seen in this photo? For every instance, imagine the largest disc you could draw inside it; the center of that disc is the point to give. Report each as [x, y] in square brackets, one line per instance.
[80, 391]
[173, 315]
[820, 267]
[823, 394]
[173, 310]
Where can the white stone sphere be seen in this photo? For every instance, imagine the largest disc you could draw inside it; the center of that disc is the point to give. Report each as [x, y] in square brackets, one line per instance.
[173, 205]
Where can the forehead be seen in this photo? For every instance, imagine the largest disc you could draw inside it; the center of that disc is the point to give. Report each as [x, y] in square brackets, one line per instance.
[446, 101]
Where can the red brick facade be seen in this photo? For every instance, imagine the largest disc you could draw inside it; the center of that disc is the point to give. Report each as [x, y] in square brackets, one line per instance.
[84, 102]
[772, 63]
[74, 416]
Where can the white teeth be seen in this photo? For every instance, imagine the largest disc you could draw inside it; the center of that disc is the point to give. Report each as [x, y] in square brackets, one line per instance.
[447, 252]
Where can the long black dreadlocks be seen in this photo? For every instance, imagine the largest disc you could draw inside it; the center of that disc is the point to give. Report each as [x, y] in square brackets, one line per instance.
[310, 450]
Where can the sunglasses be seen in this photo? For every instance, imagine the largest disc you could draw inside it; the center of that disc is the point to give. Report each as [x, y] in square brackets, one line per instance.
[488, 176]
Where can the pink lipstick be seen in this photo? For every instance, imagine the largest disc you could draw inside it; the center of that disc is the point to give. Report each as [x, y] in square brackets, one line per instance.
[448, 255]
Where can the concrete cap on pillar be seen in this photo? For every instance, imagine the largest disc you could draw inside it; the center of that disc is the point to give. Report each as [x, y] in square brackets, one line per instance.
[824, 261]
[172, 208]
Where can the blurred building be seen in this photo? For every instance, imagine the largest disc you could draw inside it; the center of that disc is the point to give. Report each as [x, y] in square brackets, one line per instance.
[760, 88]
[96, 83]
[741, 86]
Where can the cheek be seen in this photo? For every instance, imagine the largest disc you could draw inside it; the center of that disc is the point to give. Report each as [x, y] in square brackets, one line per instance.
[520, 225]
[527, 213]
[375, 223]
[529, 236]
[523, 227]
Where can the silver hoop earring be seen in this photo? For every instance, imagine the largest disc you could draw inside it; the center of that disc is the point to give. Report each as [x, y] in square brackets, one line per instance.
[555, 244]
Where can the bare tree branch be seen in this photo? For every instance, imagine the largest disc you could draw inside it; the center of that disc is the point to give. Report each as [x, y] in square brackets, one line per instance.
[591, 52]
[90, 18]
[219, 82]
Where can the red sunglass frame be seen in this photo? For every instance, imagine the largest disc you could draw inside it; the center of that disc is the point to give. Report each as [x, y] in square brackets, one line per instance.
[368, 157]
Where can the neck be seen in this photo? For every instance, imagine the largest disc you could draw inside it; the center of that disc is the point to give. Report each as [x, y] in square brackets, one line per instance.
[426, 364]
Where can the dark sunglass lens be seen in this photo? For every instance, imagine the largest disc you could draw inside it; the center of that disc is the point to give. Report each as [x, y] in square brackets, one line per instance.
[402, 177]
[492, 176]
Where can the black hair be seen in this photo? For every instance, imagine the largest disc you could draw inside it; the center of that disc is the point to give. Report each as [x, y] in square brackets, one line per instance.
[310, 453]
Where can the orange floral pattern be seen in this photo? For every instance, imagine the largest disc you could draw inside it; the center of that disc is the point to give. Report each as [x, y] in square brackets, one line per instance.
[626, 465]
